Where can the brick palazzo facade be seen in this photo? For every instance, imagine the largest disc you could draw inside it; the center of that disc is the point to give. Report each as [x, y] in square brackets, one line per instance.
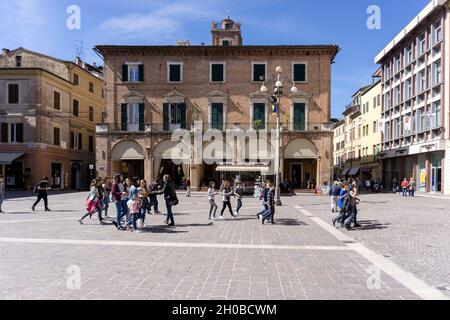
[152, 90]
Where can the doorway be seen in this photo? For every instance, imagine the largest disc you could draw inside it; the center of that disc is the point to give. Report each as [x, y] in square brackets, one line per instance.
[297, 175]
[57, 176]
[75, 177]
[436, 179]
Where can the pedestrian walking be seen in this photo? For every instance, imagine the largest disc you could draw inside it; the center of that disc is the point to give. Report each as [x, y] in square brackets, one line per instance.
[405, 185]
[170, 197]
[264, 198]
[188, 187]
[269, 214]
[412, 187]
[153, 197]
[143, 196]
[119, 197]
[2, 192]
[107, 186]
[212, 202]
[342, 205]
[239, 193]
[42, 189]
[93, 202]
[226, 196]
[134, 205]
[353, 200]
[334, 196]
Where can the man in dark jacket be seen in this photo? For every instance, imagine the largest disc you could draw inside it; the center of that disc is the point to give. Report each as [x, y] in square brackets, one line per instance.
[334, 196]
[170, 197]
[42, 189]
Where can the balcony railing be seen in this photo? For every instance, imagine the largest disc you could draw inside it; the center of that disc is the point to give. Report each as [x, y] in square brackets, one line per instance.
[104, 128]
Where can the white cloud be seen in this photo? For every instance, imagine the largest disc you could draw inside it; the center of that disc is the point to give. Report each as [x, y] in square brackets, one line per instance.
[159, 24]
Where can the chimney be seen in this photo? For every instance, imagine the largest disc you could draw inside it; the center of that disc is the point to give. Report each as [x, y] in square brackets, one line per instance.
[78, 61]
[5, 51]
[95, 64]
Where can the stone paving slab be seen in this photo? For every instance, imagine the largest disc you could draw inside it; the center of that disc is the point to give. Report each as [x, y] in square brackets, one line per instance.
[228, 259]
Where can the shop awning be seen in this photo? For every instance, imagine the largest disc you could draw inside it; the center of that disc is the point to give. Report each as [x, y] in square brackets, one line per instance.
[353, 171]
[253, 168]
[9, 157]
[344, 173]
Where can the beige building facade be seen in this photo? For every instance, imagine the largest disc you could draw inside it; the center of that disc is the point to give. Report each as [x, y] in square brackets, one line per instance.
[153, 90]
[48, 111]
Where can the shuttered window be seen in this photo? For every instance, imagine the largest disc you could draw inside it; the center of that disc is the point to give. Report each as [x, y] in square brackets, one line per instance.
[217, 72]
[56, 100]
[299, 72]
[175, 72]
[259, 72]
[56, 136]
[75, 109]
[13, 93]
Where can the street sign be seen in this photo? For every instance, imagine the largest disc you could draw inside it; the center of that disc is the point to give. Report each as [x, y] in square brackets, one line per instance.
[91, 167]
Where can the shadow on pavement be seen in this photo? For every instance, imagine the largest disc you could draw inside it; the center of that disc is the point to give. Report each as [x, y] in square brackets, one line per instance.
[290, 222]
[372, 225]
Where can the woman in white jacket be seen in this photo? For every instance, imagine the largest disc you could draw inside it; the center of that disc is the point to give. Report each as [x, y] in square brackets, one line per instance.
[211, 198]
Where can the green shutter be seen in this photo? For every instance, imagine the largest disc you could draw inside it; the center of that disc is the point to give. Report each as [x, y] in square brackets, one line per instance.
[124, 73]
[124, 117]
[141, 72]
[183, 115]
[259, 116]
[299, 116]
[166, 117]
[217, 116]
[141, 117]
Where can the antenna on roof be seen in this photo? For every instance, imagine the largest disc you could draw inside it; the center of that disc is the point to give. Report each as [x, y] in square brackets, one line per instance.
[79, 48]
[228, 14]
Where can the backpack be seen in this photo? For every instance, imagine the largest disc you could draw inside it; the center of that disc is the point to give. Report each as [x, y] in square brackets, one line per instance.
[36, 188]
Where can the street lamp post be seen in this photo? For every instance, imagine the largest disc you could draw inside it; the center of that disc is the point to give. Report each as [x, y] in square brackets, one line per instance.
[276, 100]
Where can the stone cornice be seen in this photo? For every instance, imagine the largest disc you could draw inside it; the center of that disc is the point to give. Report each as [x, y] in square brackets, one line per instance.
[274, 50]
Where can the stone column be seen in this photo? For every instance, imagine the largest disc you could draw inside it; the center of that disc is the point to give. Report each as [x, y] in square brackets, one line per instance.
[148, 169]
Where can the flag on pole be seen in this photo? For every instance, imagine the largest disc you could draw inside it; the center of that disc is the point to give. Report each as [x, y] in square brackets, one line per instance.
[274, 107]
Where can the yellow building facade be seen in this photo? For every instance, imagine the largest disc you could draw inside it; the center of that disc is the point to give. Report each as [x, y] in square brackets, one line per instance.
[370, 141]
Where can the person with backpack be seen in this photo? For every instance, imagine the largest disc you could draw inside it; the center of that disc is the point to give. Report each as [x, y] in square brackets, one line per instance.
[41, 189]
[170, 197]
[352, 210]
[93, 202]
[342, 205]
[134, 206]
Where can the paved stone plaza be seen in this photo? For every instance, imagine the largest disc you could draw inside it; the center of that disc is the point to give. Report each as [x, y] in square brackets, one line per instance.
[401, 252]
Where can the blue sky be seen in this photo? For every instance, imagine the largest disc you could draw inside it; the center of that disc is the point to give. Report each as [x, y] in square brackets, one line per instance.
[41, 25]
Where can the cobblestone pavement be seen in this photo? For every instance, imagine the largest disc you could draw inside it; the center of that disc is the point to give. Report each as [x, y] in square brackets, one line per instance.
[301, 257]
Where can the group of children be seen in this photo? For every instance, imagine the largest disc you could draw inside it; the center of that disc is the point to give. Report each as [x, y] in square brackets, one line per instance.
[265, 192]
[344, 201]
[133, 200]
